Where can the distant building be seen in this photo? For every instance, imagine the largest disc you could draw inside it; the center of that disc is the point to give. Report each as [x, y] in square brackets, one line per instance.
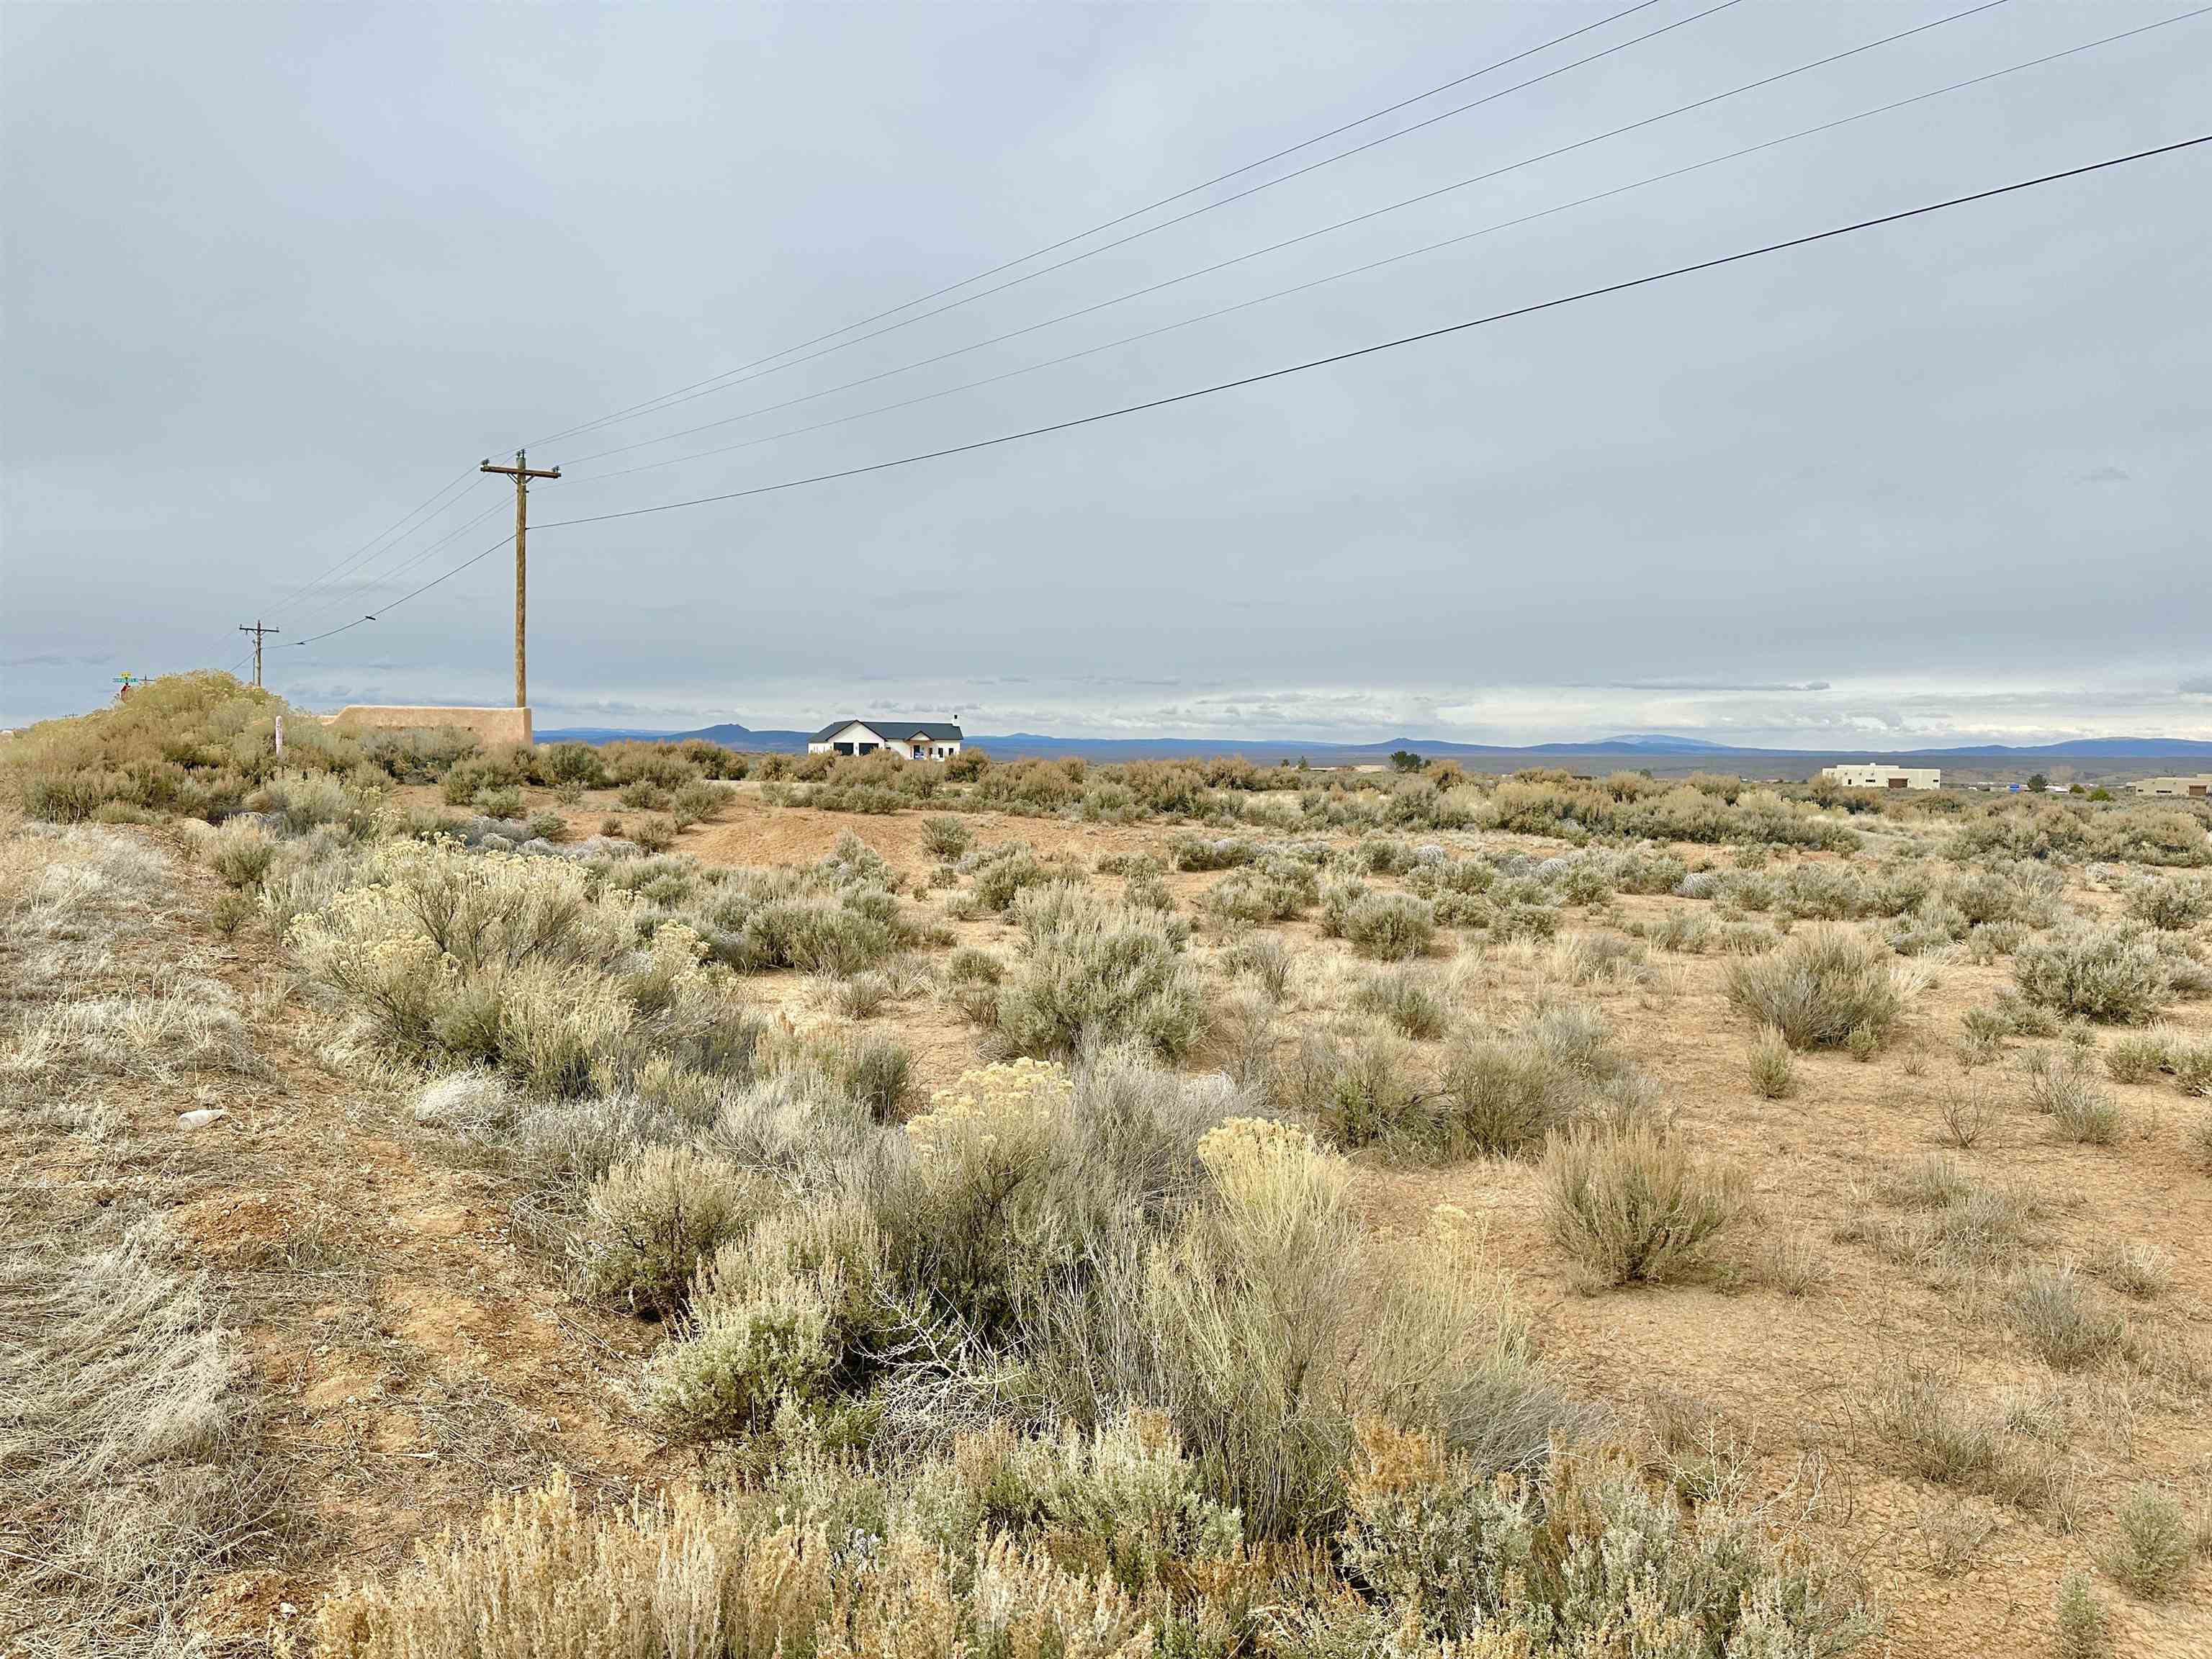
[1872, 774]
[909, 739]
[2201, 785]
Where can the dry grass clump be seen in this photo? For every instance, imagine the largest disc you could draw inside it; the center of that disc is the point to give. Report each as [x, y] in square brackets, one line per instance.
[131, 1468]
[1919, 1411]
[2061, 1319]
[1770, 1066]
[1826, 983]
[2134, 1267]
[2113, 975]
[1633, 1204]
[1095, 971]
[1955, 1229]
[2151, 1551]
[2080, 1108]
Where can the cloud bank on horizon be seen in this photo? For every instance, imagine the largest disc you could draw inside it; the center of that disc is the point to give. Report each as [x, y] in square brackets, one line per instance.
[273, 274]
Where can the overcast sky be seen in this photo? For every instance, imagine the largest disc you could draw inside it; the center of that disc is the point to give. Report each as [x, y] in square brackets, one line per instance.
[275, 274]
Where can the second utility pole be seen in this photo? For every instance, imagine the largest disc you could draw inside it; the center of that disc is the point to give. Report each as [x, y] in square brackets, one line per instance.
[522, 475]
[257, 630]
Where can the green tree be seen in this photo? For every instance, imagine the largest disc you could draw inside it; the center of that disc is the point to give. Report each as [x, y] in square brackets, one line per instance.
[2038, 782]
[1405, 760]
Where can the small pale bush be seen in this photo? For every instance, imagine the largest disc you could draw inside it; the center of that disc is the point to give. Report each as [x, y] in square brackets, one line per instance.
[1390, 926]
[1631, 1204]
[1826, 983]
[1772, 1069]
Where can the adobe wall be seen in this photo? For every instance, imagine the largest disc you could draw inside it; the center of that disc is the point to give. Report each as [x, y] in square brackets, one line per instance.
[487, 726]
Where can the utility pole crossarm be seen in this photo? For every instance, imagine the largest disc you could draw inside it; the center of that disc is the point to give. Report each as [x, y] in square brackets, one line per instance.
[257, 627]
[522, 473]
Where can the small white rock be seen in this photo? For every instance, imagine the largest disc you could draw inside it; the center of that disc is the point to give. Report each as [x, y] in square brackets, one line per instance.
[200, 1118]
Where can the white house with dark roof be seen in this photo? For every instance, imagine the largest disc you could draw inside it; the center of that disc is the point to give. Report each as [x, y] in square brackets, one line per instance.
[931, 740]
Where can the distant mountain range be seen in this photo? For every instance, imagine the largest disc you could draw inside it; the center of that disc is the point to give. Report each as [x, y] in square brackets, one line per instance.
[1627, 747]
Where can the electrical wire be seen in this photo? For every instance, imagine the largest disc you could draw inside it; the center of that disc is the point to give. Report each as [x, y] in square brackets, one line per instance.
[715, 382]
[1273, 247]
[1391, 259]
[1647, 280]
[390, 537]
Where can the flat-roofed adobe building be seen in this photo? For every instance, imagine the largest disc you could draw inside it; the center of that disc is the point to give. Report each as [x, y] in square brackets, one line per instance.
[933, 740]
[1872, 774]
[2198, 787]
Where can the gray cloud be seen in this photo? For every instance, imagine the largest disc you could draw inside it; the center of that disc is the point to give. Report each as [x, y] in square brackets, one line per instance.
[287, 309]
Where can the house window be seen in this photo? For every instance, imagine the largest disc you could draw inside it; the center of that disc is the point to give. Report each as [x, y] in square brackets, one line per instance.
[842, 747]
[863, 748]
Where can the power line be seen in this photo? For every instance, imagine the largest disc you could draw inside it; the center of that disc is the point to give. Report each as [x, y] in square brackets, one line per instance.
[1290, 241]
[1646, 280]
[1391, 259]
[383, 541]
[405, 565]
[704, 388]
[1305, 143]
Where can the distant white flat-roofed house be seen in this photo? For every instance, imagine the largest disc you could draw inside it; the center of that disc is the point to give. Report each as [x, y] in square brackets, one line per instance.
[909, 739]
[2199, 786]
[1872, 774]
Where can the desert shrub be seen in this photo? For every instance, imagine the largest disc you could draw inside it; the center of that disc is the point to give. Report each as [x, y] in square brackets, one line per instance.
[944, 837]
[1194, 851]
[2138, 1056]
[504, 802]
[1444, 1551]
[570, 762]
[2060, 1318]
[654, 834]
[1390, 926]
[1001, 874]
[1819, 987]
[878, 1073]
[2152, 1550]
[2191, 1066]
[1773, 1072]
[1408, 997]
[2082, 1633]
[1500, 1097]
[649, 1219]
[1595, 958]
[1631, 1203]
[1269, 1335]
[1275, 889]
[696, 802]
[1264, 959]
[1361, 1093]
[240, 853]
[1092, 970]
[2173, 902]
[2112, 975]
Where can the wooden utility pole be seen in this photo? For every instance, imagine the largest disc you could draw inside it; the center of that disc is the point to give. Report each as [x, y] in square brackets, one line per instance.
[522, 474]
[256, 630]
